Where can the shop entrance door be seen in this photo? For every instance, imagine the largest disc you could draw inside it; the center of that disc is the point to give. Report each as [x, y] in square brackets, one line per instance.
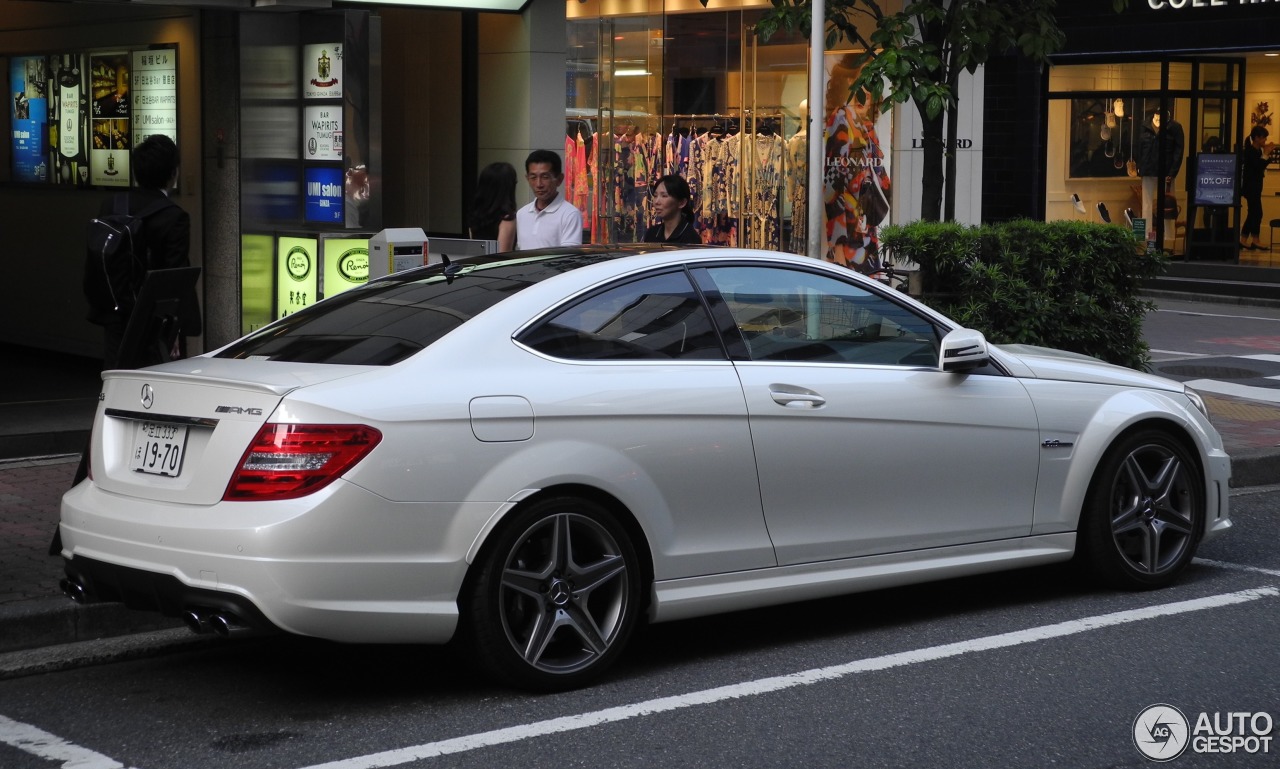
[1217, 124]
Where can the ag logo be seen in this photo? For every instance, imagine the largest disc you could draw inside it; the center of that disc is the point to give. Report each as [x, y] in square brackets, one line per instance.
[1160, 732]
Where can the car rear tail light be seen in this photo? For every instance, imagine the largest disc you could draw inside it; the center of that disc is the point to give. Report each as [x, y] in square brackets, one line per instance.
[289, 461]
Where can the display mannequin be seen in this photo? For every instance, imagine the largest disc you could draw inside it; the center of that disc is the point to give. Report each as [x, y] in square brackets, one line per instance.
[1160, 129]
[798, 181]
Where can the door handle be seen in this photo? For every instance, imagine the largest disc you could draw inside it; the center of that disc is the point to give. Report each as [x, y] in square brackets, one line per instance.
[796, 397]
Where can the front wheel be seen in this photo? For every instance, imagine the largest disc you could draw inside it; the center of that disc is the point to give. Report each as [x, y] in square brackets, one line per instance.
[556, 597]
[1144, 513]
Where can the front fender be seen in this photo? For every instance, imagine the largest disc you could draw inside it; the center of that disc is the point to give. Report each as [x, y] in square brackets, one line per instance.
[1071, 414]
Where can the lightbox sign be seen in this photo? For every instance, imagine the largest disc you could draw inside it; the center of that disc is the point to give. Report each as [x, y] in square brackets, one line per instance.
[155, 93]
[323, 133]
[346, 264]
[29, 118]
[324, 189]
[109, 119]
[322, 71]
[297, 281]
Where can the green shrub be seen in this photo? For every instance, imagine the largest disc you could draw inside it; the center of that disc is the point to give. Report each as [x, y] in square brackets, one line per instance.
[1069, 285]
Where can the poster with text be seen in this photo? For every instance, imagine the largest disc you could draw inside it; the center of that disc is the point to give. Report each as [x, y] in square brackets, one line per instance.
[346, 264]
[109, 133]
[297, 283]
[855, 177]
[29, 118]
[324, 195]
[323, 127]
[322, 71]
[154, 88]
[68, 124]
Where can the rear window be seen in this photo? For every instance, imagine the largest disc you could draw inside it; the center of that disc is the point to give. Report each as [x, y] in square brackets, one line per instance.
[389, 320]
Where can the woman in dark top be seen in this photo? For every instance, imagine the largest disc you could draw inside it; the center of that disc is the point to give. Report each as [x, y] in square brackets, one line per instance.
[493, 213]
[1253, 167]
[671, 203]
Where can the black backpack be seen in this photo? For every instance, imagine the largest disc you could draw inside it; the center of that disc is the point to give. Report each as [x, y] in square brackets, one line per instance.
[114, 264]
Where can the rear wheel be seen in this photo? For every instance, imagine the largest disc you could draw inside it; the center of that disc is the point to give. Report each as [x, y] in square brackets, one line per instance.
[1144, 513]
[557, 596]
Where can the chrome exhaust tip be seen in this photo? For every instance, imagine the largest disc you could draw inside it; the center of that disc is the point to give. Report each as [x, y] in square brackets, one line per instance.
[222, 624]
[73, 590]
[196, 622]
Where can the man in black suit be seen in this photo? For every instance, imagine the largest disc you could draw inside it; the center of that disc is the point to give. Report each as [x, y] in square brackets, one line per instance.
[163, 242]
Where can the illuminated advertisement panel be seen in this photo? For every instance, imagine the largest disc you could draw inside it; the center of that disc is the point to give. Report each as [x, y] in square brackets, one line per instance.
[155, 93]
[297, 282]
[322, 71]
[109, 120]
[256, 284]
[68, 143]
[324, 191]
[29, 118]
[323, 126]
[346, 264]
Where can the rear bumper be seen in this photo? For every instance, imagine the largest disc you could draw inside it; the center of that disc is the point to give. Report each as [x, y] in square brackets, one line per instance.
[148, 591]
[343, 565]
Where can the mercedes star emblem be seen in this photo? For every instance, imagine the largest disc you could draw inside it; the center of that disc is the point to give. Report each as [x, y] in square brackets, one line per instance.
[148, 396]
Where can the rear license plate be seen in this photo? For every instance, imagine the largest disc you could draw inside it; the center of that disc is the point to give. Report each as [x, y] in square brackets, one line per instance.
[158, 448]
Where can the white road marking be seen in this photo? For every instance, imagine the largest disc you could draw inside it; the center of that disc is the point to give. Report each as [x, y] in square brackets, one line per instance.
[778, 683]
[1235, 390]
[38, 742]
[1182, 354]
[1216, 315]
[1236, 566]
[1266, 356]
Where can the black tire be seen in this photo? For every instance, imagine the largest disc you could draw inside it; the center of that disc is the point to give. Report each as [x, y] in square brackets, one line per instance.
[556, 597]
[1144, 514]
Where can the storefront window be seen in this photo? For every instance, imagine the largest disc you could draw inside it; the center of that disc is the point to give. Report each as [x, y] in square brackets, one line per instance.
[1124, 146]
[657, 87]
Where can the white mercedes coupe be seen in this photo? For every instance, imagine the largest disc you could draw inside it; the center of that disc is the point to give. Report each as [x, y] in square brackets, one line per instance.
[534, 451]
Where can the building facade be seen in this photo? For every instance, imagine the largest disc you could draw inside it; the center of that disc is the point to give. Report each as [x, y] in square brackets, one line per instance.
[306, 130]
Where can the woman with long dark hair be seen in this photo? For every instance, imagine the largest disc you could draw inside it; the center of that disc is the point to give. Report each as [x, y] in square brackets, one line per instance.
[493, 212]
[672, 203]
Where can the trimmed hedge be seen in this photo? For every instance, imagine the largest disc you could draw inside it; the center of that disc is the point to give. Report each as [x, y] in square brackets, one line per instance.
[1070, 285]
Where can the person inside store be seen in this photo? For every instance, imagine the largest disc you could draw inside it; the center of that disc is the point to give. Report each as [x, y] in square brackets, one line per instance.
[163, 242]
[673, 205]
[493, 211]
[550, 220]
[1254, 158]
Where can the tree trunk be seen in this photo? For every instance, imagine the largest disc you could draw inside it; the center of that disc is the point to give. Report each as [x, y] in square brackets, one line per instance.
[931, 181]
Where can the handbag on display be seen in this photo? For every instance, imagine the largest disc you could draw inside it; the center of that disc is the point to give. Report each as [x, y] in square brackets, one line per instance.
[871, 197]
[1131, 166]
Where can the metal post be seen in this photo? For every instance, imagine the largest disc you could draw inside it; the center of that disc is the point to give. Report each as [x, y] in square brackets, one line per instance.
[817, 142]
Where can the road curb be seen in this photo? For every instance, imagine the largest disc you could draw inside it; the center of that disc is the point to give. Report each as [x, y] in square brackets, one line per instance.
[57, 621]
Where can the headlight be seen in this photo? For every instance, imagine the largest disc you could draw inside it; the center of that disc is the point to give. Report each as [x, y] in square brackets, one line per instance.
[1196, 401]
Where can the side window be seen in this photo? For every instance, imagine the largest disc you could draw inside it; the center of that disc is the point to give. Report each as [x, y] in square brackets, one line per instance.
[653, 318]
[794, 315]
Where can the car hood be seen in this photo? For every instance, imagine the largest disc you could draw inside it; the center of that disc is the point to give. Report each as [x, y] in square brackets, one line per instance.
[1048, 363]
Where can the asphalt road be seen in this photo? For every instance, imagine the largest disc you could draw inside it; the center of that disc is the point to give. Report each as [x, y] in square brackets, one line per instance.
[1023, 669]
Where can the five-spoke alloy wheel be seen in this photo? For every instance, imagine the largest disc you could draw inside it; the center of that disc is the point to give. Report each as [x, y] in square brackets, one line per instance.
[1145, 512]
[557, 595]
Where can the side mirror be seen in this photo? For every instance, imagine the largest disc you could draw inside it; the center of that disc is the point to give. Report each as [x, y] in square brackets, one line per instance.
[963, 350]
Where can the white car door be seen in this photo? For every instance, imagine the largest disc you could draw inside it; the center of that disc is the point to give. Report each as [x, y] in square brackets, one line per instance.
[862, 445]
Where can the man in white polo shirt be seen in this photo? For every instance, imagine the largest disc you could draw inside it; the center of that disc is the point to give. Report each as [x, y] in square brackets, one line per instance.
[549, 220]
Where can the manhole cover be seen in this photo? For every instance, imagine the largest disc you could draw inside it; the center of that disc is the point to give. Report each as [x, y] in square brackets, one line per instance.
[1211, 372]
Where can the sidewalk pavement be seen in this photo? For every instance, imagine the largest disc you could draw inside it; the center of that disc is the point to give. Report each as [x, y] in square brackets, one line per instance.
[34, 614]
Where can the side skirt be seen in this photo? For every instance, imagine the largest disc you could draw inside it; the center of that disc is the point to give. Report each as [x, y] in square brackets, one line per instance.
[699, 596]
